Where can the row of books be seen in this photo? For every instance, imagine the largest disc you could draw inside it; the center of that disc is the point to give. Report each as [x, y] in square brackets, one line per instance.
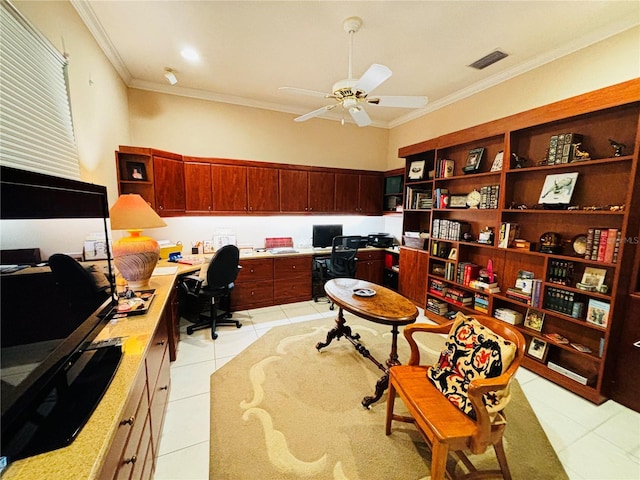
[466, 272]
[563, 301]
[489, 196]
[560, 147]
[444, 168]
[603, 244]
[418, 199]
[481, 302]
[449, 229]
[560, 272]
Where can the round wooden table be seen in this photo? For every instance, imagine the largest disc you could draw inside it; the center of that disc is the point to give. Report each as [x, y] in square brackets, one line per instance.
[384, 306]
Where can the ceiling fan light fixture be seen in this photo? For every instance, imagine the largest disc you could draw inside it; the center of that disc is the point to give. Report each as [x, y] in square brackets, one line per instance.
[170, 76]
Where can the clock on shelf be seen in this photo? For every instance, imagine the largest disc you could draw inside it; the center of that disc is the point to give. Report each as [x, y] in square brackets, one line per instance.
[474, 198]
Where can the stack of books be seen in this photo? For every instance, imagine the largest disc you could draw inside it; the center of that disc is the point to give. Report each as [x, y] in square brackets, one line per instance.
[437, 287]
[458, 296]
[485, 287]
[481, 302]
[507, 315]
[519, 295]
[560, 150]
[437, 306]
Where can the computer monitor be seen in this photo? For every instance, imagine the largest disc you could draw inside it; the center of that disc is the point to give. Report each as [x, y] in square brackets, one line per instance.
[323, 235]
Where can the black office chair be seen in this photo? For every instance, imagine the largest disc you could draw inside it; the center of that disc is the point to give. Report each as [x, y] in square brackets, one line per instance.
[80, 289]
[204, 299]
[341, 264]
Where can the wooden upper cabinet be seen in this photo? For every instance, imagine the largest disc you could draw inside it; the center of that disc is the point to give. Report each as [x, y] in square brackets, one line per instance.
[169, 185]
[262, 189]
[293, 190]
[322, 192]
[347, 192]
[229, 188]
[370, 194]
[198, 190]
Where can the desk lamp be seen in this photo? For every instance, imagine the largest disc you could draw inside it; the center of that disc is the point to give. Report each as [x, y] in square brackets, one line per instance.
[135, 256]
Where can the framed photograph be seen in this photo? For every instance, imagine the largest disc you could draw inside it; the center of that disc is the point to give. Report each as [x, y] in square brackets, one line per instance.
[453, 254]
[497, 162]
[538, 349]
[558, 188]
[136, 171]
[594, 277]
[534, 319]
[473, 160]
[207, 246]
[458, 201]
[598, 312]
[416, 170]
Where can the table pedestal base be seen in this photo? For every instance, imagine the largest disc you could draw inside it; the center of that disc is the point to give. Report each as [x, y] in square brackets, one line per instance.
[343, 330]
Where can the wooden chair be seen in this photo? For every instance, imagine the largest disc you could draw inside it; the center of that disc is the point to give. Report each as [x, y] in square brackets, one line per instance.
[443, 425]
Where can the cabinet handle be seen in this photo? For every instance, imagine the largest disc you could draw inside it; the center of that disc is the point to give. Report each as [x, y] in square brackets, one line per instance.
[294, 267]
[129, 421]
[130, 460]
[166, 387]
[161, 343]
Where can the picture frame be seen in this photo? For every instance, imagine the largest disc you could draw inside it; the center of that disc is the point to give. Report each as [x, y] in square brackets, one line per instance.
[538, 349]
[558, 189]
[416, 170]
[498, 161]
[207, 246]
[458, 201]
[474, 160]
[534, 319]
[137, 172]
[453, 254]
[598, 313]
[593, 277]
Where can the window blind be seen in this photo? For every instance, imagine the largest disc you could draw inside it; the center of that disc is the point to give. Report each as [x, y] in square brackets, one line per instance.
[36, 128]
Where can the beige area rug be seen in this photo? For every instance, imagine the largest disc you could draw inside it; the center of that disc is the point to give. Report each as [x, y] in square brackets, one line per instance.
[281, 410]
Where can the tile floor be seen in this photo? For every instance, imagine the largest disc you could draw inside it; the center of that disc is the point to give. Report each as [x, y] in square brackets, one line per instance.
[592, 442]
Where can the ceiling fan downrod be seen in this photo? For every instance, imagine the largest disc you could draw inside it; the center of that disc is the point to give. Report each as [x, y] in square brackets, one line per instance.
[351, 26]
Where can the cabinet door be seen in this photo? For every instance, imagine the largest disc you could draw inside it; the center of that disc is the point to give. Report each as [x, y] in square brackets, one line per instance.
[321, 192]
[293, 191]
[198, 191]
[262, 189]
[370, 265]
[229, 188]
[413, 277]
[370, 194]
[169, 185]
[347, 187]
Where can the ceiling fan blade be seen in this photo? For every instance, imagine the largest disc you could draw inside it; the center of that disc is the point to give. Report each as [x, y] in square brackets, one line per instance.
[315, 113]
[374, 76]
[360, 116]
[303, 91]
[398, 101]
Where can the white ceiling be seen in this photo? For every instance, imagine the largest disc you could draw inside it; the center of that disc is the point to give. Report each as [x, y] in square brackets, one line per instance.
[250, 48]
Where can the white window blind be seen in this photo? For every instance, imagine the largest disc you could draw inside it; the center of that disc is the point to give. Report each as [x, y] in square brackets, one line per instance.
[36, 129]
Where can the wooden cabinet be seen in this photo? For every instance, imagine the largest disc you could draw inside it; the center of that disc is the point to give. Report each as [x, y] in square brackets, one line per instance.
[294, 191]
[254, 285]
[169, 185]
[135, 445]
[229, 184]
[370, 265]
[321, 192]
[605, 197]
[412, 282]
[262, 190]
[292, 279]
[198, 187]
[130, 160]
[359, 193]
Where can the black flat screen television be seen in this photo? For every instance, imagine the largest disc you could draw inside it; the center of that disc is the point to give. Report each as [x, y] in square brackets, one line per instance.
[323, 235]
[51, 380]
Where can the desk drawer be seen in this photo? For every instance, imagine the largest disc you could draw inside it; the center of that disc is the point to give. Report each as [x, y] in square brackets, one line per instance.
[252, 295]
[295, 289]
[255, 270]
[287, 267]
[365, 255]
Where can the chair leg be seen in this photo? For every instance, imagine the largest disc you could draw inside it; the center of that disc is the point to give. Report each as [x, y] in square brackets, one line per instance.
[391, 400]
[214, 318]
[439, 452]
[502, 459]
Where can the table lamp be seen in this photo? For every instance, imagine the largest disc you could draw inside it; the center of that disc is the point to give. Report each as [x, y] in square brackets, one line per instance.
[135, 256]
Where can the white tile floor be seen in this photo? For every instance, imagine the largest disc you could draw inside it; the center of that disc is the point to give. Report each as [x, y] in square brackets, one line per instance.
[592, 442]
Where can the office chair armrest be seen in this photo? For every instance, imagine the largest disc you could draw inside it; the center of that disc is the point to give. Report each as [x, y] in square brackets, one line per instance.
[411, 329]
[192, 284]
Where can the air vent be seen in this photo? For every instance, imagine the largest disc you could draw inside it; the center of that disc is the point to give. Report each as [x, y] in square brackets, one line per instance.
[487, 60]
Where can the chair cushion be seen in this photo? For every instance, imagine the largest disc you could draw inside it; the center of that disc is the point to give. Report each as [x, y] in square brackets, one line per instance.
[472, 351]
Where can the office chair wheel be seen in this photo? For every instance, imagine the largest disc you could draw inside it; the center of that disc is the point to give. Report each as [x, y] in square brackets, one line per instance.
[189, 330]
[238, 325]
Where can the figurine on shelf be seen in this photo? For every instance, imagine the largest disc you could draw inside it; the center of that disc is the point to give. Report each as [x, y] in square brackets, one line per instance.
[486, 236]
[518, 160]
[617, 148]
[579, 155]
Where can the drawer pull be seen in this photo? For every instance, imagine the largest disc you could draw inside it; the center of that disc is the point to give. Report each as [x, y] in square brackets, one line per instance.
[130, 460]
[129, 421]
[161, 343]
[166, 387]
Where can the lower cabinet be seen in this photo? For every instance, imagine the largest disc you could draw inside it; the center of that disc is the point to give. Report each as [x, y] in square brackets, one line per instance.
[134, 448]
[292, 279]
[370, 265]
[254, 285]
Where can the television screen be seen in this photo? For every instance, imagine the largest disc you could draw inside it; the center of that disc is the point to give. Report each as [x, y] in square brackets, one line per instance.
[323, 235]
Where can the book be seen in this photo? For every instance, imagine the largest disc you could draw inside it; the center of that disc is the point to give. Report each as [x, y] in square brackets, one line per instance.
[596, 244]
[602, 244]
[589, 247]
[610, 246]
[598, 312]
[580, 347]
[557, 338]
[616, 247]
[508, 233]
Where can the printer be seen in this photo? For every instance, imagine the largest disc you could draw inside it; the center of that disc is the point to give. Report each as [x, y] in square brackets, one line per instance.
[380, 240]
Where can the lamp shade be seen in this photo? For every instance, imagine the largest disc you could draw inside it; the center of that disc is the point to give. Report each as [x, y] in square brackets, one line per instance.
[135, 256]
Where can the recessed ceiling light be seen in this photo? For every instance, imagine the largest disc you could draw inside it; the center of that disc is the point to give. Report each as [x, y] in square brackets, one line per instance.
[190, 54]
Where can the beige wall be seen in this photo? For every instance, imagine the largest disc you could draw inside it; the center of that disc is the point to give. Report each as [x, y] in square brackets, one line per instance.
[212, 129]
[98, 96]
[606, 63]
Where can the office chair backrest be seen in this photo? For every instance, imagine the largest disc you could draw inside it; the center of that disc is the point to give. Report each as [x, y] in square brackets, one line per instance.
[343, 256]
[223, 268]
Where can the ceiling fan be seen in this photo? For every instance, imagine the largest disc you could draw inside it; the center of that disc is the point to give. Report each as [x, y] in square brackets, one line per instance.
[351, 94]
